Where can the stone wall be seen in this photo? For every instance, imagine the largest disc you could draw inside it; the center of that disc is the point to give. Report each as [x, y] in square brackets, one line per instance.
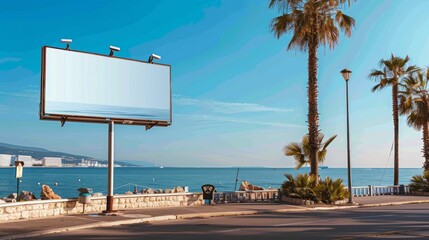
[46, 208]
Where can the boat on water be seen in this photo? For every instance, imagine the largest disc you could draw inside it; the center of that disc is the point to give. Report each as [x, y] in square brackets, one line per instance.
[323, 167]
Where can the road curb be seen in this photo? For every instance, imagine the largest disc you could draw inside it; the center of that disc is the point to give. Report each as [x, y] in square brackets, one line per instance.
[196, 216]
[216, 214]
[394, 203]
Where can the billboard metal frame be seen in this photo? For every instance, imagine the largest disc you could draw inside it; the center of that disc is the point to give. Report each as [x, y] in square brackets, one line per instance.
[92, 119]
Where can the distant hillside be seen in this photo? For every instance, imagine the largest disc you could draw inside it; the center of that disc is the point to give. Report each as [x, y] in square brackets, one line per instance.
[141, 163]
[23, 147]
[40, 153]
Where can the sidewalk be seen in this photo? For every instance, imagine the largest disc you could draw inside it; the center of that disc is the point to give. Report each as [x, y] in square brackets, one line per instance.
[40, 227]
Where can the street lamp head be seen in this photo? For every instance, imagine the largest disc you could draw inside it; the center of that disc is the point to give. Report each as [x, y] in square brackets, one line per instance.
[346, 74]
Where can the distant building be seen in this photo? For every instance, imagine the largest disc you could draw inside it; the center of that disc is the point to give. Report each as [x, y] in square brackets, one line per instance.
[51, 162]
[89, 163]
[93, 163]
[69, 165]
[28, 160]
[37, 162]
[5, 160]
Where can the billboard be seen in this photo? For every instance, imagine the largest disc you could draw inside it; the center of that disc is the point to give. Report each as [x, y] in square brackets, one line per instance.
[88, 87]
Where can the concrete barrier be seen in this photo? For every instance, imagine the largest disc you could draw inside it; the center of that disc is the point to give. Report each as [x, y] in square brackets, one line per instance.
[46, 208]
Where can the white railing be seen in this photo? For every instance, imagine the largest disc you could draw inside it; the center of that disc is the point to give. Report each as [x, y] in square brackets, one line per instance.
[247, 196]
[361, 191]
[380, 190]
[273, 194]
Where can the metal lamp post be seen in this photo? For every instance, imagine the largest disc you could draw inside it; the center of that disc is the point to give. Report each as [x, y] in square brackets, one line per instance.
[346, 75]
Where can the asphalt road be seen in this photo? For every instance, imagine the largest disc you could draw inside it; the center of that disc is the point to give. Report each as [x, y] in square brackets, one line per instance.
[391, 222]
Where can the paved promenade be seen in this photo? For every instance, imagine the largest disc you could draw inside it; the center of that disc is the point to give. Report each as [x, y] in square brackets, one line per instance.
[41, 227]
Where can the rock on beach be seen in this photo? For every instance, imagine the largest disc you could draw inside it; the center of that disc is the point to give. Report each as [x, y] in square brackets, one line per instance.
[47, 193]
[246, 186]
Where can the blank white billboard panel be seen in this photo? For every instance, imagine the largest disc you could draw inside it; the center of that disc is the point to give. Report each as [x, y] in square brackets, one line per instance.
[90, 87]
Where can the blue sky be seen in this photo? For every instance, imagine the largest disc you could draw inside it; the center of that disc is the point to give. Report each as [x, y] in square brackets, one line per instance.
[238, 95]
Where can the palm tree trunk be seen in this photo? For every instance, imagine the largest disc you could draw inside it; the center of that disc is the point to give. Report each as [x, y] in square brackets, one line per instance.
[313, 115]
[396, 132]
[426, 145]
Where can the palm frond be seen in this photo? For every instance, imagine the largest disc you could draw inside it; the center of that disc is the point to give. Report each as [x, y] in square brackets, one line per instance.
[376, 74]
[346, 23]
[301, 151]
[414, 98]
[322, 155]
[281, 24]
[298, 16]
[327, 142]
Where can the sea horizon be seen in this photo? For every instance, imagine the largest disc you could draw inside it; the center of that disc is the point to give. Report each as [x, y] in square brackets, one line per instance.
[65, 181]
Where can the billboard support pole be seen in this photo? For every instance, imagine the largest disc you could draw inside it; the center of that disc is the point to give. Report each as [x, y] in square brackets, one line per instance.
[111, 156]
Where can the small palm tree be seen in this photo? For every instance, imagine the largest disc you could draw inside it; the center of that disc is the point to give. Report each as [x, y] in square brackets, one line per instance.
[391, 74]
[331, 190]
[420, 182]
[304, 186]
[301, 151]
[313, 23]
[414, 102]
[300, 187]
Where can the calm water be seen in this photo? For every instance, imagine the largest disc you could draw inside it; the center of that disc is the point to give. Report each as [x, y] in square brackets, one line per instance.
[69, 179]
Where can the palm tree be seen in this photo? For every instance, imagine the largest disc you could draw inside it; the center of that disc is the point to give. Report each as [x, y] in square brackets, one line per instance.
[313, 23]
[301, 151]
[414, 102]
[391, 74]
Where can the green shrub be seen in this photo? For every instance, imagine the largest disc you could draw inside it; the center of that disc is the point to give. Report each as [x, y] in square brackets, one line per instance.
[303, 186]
[330, 191]
[420, 182]
[300, 187]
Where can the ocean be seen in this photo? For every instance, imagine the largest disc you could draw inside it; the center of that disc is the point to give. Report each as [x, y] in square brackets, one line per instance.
[66, 181]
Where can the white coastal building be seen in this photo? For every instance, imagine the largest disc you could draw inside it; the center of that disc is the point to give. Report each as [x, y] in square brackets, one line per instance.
[52, 162]
[5, 160]
[28, 160]
[37, 162]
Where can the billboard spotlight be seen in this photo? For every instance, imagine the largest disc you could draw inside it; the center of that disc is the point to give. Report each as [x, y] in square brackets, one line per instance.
[67, 41]
[113, 49]
[151, 57]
